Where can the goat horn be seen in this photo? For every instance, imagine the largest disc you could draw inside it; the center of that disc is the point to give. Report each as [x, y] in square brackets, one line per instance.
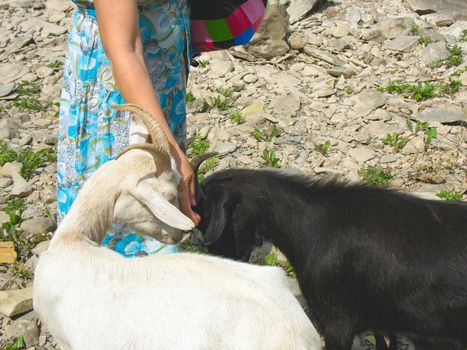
[195, 164]
[158, 135]
[160, 155]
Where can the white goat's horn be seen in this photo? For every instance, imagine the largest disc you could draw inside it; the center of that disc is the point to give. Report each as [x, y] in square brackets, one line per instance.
[161, 157]
[159, 138]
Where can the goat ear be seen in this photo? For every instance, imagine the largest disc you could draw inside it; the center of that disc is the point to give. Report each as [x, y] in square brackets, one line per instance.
[221, 213]
[161, 208]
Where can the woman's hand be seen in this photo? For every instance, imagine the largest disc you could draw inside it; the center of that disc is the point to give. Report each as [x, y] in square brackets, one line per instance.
[186, 188]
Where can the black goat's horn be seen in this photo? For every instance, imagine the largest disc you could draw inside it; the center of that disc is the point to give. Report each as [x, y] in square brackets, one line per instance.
[195, 164]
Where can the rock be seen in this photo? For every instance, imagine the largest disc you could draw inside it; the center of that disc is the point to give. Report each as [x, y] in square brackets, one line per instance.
[402, 43]
[353, 16]
[221, 68]
[40, 248]
[324, 56]
[441, 115]
[298, 9]
[6, 89]
[26, 328]
[4, 218]
[389, 28]
[341, 29]
[463, 78]
[389, 158]
[225, 147]
[44, 71]
[286, 106]
[346, 71]
[5, 182]
[297, 41]
[433, 52]
[414, 146]
[367, 101]
[458, 8]
[20, 188]
[53, 29]
[8, 169]
[14, 302]
[269, 40]
[440, 19]
[36, 226]
[58, 6]
[10, 72]
[7, 252]
[361, 154]
[8, 129]
[250, 78]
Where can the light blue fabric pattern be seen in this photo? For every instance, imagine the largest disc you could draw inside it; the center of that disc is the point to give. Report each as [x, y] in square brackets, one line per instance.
[90, 132]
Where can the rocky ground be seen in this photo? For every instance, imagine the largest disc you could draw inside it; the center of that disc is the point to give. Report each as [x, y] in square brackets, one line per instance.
[371, 91]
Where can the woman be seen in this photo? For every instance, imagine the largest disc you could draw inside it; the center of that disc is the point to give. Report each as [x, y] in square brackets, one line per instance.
[123, 51]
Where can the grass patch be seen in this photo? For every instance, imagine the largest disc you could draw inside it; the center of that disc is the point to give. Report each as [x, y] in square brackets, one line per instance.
[189, 97]
[222, 104]
[415, 30]
[237, 116]
[425, 41]
[270, 157]
[29, 103]
[189, 247]
[207, 166]
[224, 92]
[430, 132]
[199, 146]
[463, 38]
[374, 175]
[273, 260]
[21, 270]
[27, 88]
[420, 92]
[323, 148]
[203, 63]
[450, 195]
[56, 65]
[16, 344]
[261, 135]
[30, 159]
[348, 90]
[395, 140]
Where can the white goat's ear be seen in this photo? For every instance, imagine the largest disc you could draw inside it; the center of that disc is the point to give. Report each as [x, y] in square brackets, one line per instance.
[161, 208]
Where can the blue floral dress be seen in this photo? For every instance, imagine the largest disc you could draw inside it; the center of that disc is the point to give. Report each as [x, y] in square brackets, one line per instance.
[90, 133]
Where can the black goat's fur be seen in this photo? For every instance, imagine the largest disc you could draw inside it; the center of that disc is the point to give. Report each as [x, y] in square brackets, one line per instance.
[366, 258]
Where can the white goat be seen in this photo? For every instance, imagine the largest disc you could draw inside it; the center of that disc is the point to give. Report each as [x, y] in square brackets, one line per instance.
[92, 298]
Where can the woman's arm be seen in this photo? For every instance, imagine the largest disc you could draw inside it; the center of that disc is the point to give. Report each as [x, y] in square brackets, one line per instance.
[119, 30]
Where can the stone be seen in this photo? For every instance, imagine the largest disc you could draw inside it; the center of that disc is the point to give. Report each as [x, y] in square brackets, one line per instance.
[458, 8]
[297, 41]
[58, 5]
[463, 78]
[323, 55]
[40, 248]
[353, 16]
[402, 43]
[44, 71]
[53, 29]
[10, 72]
[389, 158]
[414, 146]
[440, 19]
[14, 302]
[346, 71]
[8, 169]
[36, 226]
[225, 147]
[5, 182]
[6, 89]
[389, 28]
[20, 188]
[367, 101]
[4, 218]
[433, 52]
[286, 106]
[341, 29]
[361, 154]
[250, 78]
[26, 328]
[441, 115]
[298, 9]
[8, 129]
[7, 252]
[221, 68]
[270, 39]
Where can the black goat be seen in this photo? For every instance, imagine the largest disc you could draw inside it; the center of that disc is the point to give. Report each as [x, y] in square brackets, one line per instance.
[366, 258]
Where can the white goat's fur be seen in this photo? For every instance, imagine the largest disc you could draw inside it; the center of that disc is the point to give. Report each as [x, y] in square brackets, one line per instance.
[91, 298]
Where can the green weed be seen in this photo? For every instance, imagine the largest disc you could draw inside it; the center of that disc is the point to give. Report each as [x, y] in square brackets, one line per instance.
[237, 116]
[21, 270]
[221, 104]
[29, 103]
[189, 97]
[199, 146]
[451, 195]
[374, 175]
[436, 63]
[207, 166]
[272, 260]
[395, 140]
[188, 247]
[425, 41]
[203, 63]
[260, 135]
[56, 65]
[323, 148]
[430, 132]
[224, 92]
[348, 90]
[27, 88]
[414, 30]
[269, 155]
[16, 344]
